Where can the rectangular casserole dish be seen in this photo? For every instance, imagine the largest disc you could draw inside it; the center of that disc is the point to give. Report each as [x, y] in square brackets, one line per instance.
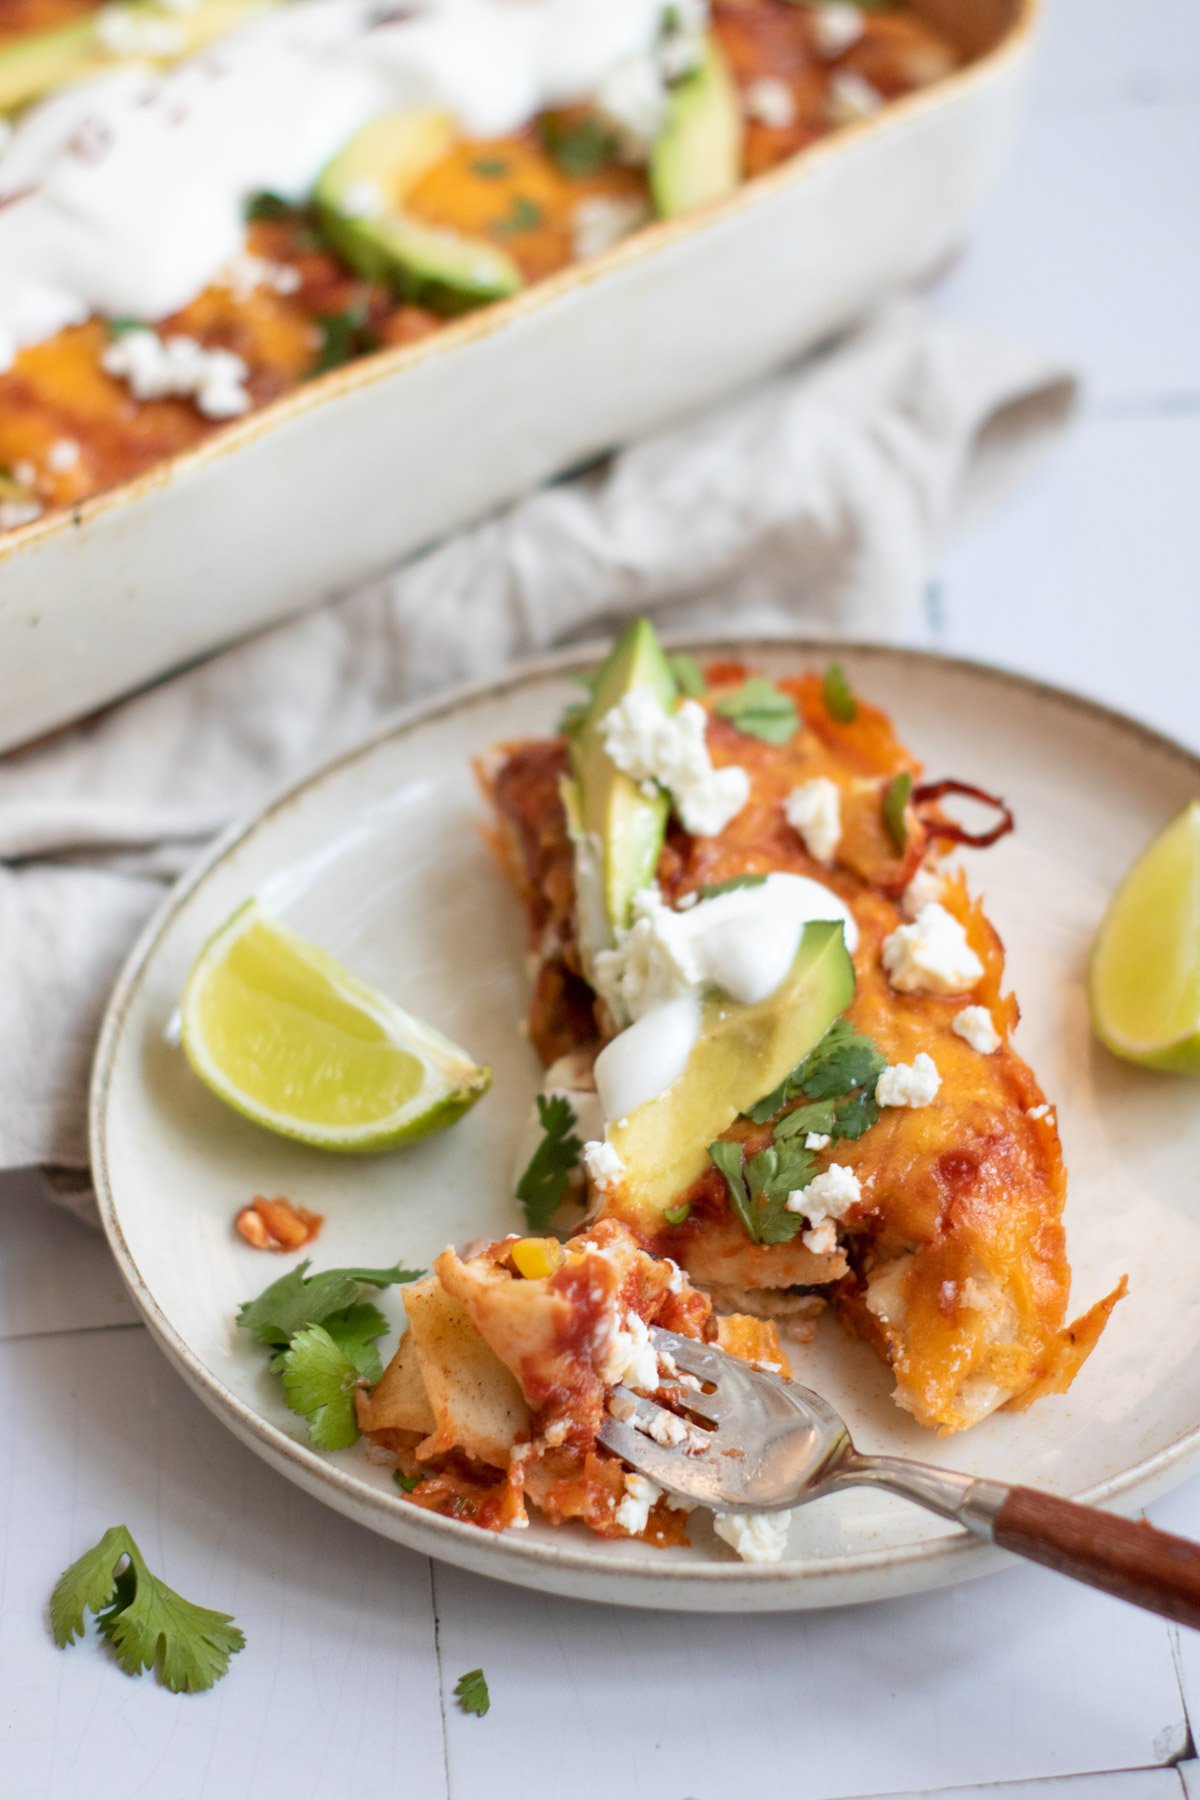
[339, 480]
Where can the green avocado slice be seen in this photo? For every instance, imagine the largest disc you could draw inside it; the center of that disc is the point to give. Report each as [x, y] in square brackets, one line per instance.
[627, 825]
[359, 200]
[742, 1053]
[698, 156]
[45, 60]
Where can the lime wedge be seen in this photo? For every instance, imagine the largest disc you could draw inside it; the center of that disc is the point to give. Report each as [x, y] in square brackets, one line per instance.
[281, 1031]
[1144, 980]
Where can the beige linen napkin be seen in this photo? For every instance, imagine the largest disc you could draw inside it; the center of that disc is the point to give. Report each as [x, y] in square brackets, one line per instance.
[817, 501]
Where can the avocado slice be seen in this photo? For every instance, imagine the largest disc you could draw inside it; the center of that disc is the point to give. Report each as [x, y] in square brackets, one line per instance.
[45, 60]
[742, 1052]
[698, 155]
[627, 825]
[381, 165]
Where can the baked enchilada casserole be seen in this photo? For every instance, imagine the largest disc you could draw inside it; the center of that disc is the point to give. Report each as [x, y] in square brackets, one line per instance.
[780, 1080]
[205, 203]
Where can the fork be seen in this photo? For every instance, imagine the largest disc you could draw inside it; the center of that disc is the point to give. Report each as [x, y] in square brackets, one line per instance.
[746, 1441]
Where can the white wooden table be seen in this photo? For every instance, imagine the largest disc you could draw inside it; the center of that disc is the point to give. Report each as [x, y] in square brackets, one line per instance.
[1019, 1684]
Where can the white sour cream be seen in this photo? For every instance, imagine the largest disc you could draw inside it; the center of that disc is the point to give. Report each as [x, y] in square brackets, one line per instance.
[743, 942]
[123, 195]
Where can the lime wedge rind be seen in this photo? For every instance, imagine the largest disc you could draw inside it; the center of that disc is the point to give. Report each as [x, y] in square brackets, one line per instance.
[1144, 973]
[294, 1062]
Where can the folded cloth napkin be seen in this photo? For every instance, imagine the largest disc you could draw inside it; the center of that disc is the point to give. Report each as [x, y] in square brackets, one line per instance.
[817, 502]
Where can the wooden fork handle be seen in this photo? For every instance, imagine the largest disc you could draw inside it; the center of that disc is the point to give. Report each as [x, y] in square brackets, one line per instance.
[1125, 1557]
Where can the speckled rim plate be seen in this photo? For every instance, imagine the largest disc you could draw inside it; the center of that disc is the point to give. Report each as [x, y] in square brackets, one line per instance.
[1089, 787]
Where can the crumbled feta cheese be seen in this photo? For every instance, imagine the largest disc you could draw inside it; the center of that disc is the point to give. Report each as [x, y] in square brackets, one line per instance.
[602, 221]
[931, 954]
[851, 98]
[244, 272]
[62, 455]
[649, 964]
[821, 1239]
[827, 1196]
[909, 1084]
[669, 750]
[771, 102]
[817, 1140]
[18, 512]
[156, 368]
[123, 31]
[632, 1358]
[602, 1163]
[836, 26]
[633, 99]
[667, 1429]
[927, 886]
[756, 1537]
[975, 1025]
[555, 1433]
[1041, 1112]
[675, 1283]
[633, 1512]
[814, 811]
[975, 1296]
[24, 472]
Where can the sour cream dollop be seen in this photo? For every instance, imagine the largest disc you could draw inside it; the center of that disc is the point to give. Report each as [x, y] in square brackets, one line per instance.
[742, 942]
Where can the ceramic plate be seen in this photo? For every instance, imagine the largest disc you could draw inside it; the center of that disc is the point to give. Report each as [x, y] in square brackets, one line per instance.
[381, 857]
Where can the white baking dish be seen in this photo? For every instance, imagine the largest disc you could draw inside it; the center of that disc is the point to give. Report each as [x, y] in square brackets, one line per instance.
[356, 470]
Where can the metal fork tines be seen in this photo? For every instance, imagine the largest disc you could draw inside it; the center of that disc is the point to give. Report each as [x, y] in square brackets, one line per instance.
[744, 1441]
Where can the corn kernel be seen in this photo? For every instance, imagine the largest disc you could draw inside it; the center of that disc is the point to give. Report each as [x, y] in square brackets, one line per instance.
[535, 1258]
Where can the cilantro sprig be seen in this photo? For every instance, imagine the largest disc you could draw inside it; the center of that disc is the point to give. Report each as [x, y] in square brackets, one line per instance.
[471, 1692]
[760, 710]
[148, 1624]
[836, 1085]
[759, 1188]
[579, 147]
[322, 1332]
[548, 1172]
[844, 1059]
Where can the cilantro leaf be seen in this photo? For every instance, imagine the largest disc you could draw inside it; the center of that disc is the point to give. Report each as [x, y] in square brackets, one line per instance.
[266, 205]
[526, 215]
[471, 1692]
[843, 1059]
[816, 1115]
[542, 1186]
[895, 800]
[838, 695]
[147, 1623]
[319, 1379]
[490, 167]
[759, 1189]
[581, 148]
[712, 888]
[675, 1215]
[761, 711]
[121, 326]
[855, 1114]
[354, 1331]
[298, 1299]
[687, 673]
[344, 336]
[406, 1483]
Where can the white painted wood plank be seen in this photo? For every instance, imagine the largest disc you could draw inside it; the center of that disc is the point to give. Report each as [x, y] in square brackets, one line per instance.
[55, 1274]
[1087, 576]
[1017, 1676]
[336, 1691]
[1109, 53]
[1180, 1512]
[1125, 1784]
[1089, 248]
